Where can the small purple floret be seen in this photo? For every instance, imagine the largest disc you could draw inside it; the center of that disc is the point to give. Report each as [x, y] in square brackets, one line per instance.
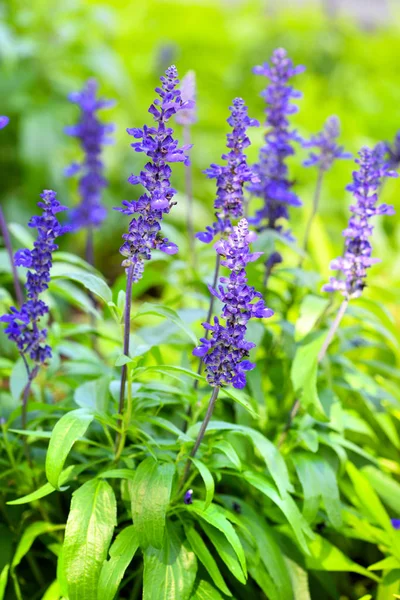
[326, 148]
[92, 134]
[225, 353]
[357, 257]
[188, 497]
[395, 523]
[232, 176]
[4, 121]
[23, 324]
[188, 116]
[274, 185]
[158, 144]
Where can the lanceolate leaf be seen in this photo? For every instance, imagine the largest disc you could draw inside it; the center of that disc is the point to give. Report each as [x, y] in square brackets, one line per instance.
[215, 517]
[150, 493]
[69, 428]
[159, 310]
[208, 481]
[205, 557]
[121, 553]
[304, 377]
[203, 590]
[29, 536]
[3, 580]
[88, 534]
[93, 283]
[169, 573]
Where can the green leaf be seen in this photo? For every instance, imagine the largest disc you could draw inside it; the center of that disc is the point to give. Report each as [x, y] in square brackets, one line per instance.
[18, 379]
[318, 480]
[387, 488]
[299, 578]
[225, 551]
[226, 448]
[208, 480]
[369, 499]
[271, 455]
[311, 308]
[150, 493]
[304, 377]
[205, 591]
[117, 474]
[88, 534]
[93, 283]
[287, 505]
[29, 536]
[170, 572]
[214, 515]
[121, 553]
[326, 557]
[52, 592]
[389, 563]
[241, 398]
[3, 580]
[69, 428]
[93, 395]
[21, 234]
[159, 310]
[205, 557]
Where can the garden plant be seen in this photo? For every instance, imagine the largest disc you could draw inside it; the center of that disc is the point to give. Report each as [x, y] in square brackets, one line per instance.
[223, 423]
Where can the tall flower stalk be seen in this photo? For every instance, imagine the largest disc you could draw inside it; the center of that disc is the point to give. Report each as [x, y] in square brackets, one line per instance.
[92, 135]
[7, 241]
[24, 324]
[188, 117]
[326, 152]
[225, 353]
[274, 187]
[144, 233]
[357, 257]
[230, 180]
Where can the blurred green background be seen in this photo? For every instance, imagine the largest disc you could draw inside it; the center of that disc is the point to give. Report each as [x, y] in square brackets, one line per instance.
[50, 47]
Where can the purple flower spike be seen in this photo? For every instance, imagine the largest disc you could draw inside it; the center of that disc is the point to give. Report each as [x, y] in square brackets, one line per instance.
[232, 176]
[357, 257]
[225, 353]
[188, 116]
[395, 523]
[23, 325]
[188, 497]
[92, 135]
[327, 150]
[274, 185]
[4, 121]
[161, 148]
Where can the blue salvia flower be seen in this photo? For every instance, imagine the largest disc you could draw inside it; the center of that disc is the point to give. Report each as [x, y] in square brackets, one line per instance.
[232, 176]
[188, 116]
[358, 250]
[395, 523]
[161, 148]
[92, 135]
[4, 121]
[23, 325]
[225, 353]
[393, 152]
[188, 497]
[274, 186]
[326, 148]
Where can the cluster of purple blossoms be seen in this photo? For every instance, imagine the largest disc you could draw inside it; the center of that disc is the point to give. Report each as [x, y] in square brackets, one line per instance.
[4, 121]
[23, 325]
[232, 176]
[274, 185]
[357, 256]
[92, 134]
[225, 353]
[393, 152]
[325, 143]
[159, 145]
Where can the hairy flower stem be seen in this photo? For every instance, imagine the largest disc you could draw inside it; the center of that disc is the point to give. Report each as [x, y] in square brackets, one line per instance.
[127, 331]
[333, 329]
[7, 243]
[189, 198]
[317, 195]
[202, 431]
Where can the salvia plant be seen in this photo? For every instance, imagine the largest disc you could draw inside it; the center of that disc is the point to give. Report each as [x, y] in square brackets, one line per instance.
[142, 458]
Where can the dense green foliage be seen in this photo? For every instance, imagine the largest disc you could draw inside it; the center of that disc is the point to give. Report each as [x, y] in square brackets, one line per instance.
[302, 517]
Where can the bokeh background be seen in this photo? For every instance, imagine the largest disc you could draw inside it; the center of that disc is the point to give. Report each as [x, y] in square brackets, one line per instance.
[48, 48]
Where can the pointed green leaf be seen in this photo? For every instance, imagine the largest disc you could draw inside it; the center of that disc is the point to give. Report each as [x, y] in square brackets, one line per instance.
[88, 534]
[169, 573]
[159, 310]
[225, 551]
[203, 590]
[150, 493]
[3, 580]
[226, 448]
[205, 557]
[208, 480]
[69, 428]
[304, 377]
[121, 553]
[93, 283]
[29, 536]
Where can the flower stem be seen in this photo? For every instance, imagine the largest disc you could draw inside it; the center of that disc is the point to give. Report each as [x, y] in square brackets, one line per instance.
[330, 335]
[316, 198]
[202, 431]
[7, 243]
[89, 248]
[31, 376]
[127, 331]
[189, 198]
